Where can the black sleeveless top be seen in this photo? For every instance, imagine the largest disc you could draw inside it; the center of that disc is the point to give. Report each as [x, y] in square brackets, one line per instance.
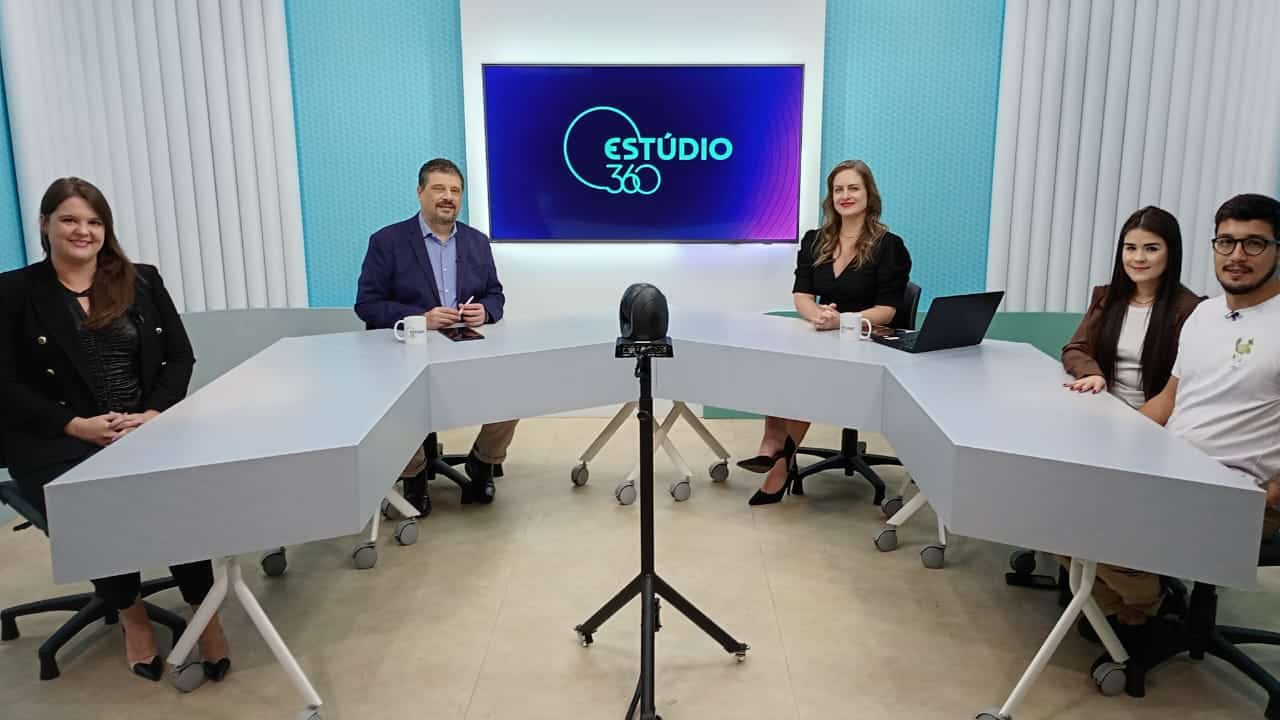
[112, 354]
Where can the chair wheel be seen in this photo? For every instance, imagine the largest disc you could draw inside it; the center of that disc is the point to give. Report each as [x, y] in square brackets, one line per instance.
[991, 715]
[8, 629]
[625, 493]
[389, 511]
[309, 714]
[579, 475]
[681, 490]
[891, 506]
[1023, 562]
[887, 539]
[188, 677]
[274, 563]
[407, 532]
[934, 556]
[365, 556]
[719, 471]
[1109, 677]
[585, 638]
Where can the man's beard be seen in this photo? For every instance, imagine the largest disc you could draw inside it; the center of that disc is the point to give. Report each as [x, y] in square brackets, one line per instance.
[439, 217]
[1246, 290]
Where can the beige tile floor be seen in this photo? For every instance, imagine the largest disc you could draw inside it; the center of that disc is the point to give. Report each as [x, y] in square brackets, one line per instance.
[475, 621]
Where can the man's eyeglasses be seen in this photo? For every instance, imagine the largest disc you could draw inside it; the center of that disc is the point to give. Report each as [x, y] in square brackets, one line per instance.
[1253, 245]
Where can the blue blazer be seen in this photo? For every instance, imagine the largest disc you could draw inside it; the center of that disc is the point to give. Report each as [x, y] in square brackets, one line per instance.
[396, 279]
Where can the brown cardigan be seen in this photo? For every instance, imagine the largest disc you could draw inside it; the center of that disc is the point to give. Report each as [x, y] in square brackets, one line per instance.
[1078, 355]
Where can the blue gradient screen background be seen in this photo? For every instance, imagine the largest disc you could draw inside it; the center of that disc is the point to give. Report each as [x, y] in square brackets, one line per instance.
[752, 196]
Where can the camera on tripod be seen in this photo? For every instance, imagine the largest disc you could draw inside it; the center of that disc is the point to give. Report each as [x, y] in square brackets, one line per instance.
[642, 320]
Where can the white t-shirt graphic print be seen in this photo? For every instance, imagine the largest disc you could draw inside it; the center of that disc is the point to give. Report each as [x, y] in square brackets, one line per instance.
[1228, 371]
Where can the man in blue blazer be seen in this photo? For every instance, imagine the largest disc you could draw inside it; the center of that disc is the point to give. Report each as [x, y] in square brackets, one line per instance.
[434, 265]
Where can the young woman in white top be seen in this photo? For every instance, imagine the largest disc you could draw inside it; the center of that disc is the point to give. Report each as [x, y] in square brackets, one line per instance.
[1128, 339]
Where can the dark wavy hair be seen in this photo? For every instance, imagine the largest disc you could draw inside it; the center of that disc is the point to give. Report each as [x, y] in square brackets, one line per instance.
[111, 294]
[1160, 345]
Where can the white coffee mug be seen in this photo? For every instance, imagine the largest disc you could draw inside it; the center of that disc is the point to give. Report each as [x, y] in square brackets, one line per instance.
[854, 324]
[412, 330]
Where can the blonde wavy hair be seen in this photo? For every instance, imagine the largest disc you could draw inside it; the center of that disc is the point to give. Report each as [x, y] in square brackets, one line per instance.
[828, 240]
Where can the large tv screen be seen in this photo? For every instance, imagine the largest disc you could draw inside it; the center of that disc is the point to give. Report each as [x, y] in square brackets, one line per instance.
[642, 153]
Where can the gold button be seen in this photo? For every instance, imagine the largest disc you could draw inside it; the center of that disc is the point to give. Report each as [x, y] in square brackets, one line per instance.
[42, 340]
[159, 330]
[50, 371]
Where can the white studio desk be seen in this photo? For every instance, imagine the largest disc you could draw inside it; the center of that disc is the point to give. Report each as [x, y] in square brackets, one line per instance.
[1003, 452]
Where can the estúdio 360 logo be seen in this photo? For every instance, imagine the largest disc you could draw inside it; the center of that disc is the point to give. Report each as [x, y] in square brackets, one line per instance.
[643, 178]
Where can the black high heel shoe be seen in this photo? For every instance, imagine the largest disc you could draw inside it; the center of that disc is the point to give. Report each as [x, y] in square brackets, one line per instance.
[762, 463]
[764, 498]
[216, 671]
[152, 669]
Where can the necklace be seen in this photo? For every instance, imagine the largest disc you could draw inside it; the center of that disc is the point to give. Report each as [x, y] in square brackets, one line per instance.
[1136, 301]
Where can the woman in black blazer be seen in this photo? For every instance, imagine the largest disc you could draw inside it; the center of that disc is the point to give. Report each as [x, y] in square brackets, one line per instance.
[850, 264]
[91, 349]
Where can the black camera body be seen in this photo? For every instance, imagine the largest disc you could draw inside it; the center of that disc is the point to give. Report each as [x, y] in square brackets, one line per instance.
[642, 321]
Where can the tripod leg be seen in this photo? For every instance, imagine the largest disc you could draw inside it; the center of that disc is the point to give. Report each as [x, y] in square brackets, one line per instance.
[696, 616]
[588, 628]
[648, 616]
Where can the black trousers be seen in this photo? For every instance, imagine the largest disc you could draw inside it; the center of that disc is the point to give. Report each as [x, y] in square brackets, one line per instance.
[195, 579]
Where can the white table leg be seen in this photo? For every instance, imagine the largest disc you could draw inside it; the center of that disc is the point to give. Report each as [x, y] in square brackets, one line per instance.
[228, 576]
[402, 506]
[660, 439]
[696, 423]
[1082, 576]
[609, 431]
[913, 506]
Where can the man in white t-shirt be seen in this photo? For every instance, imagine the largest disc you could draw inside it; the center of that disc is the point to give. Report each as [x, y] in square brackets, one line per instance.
[1224, 394]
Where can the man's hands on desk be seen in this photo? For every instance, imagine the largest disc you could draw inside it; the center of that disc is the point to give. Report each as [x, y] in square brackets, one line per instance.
[469, 314]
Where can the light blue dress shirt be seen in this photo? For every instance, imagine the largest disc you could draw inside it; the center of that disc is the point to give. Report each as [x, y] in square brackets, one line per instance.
[443, 255]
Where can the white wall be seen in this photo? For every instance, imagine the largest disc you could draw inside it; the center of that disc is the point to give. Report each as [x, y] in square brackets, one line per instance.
[1112, 106]
[182, 114]
[549, 277]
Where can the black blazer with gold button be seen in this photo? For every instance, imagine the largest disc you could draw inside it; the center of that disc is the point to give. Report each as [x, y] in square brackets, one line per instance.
[44, 377]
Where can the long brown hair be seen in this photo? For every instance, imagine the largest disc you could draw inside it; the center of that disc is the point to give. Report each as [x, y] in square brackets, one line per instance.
[872, 229]
[1160, 343]
[112, 291]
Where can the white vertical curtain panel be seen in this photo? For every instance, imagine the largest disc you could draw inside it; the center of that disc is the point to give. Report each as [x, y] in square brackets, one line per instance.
[182, 113]
[1107, 106]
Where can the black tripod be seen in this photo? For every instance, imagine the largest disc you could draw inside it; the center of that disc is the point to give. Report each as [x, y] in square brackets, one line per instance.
[647, 584]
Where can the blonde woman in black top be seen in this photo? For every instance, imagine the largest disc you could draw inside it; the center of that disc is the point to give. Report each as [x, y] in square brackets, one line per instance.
[850, 264]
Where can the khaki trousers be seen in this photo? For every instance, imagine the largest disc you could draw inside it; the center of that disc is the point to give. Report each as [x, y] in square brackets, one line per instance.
[1129, 592]
[490, 447]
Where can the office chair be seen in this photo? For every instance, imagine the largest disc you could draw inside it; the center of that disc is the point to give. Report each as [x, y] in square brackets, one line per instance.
[1198, 633]
[88, 608]
[440, 464]
[853, 456]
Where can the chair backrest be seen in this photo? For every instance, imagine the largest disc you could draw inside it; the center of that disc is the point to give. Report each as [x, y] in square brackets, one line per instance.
[1269, 556]
[905, 317]
[10, 495]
